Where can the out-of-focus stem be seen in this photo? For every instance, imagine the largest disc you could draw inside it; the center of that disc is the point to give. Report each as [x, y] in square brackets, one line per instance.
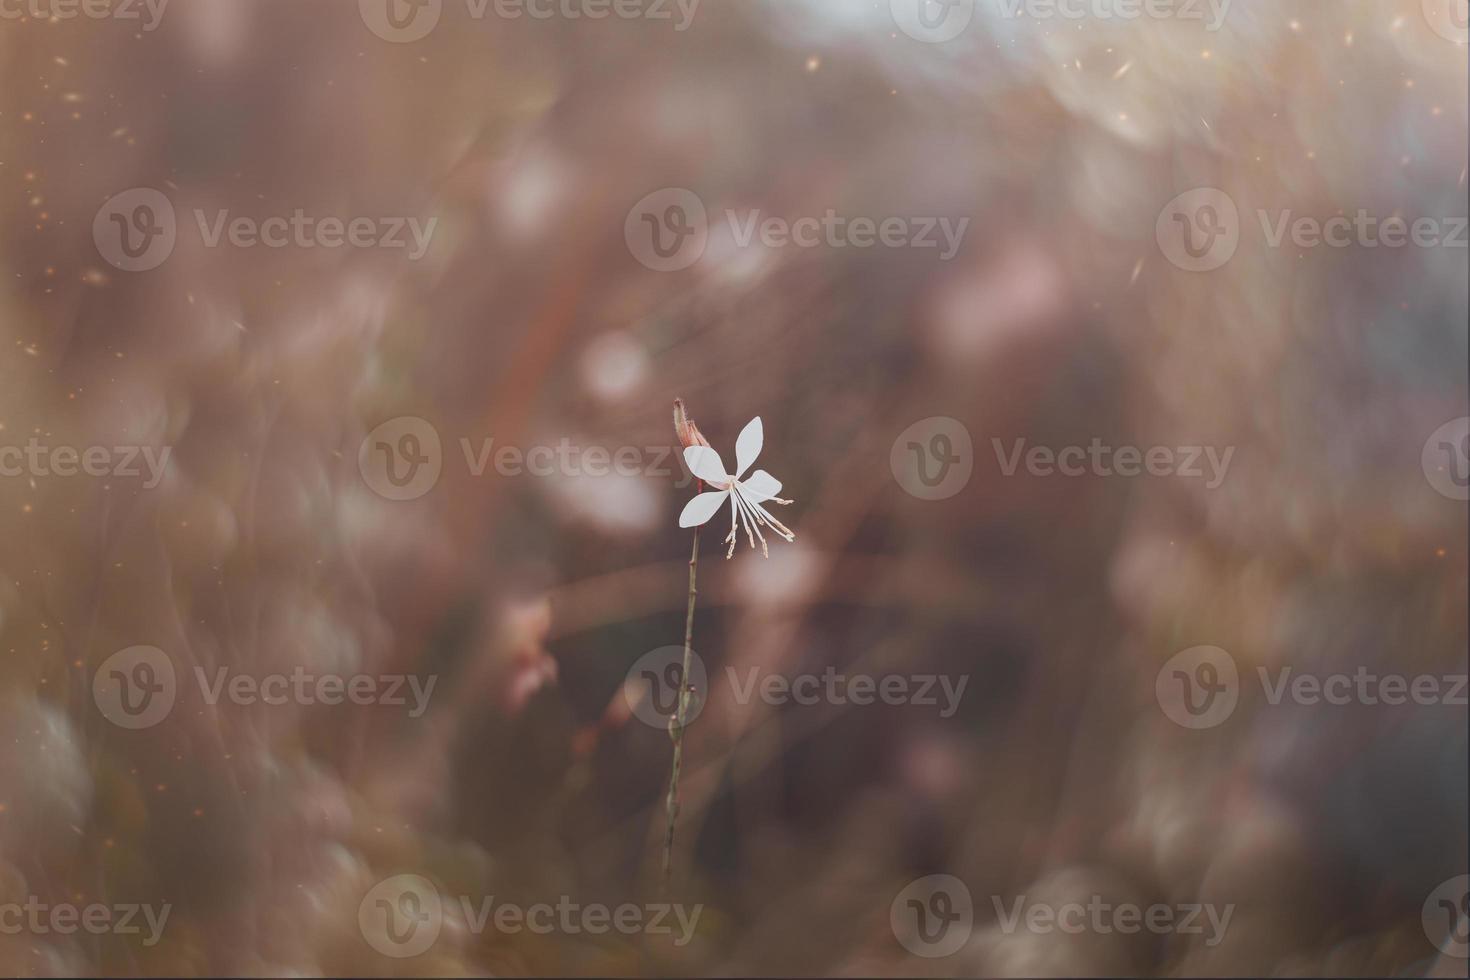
[676, 724]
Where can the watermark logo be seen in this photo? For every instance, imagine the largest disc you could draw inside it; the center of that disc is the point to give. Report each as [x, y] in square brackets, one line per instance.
[307, 688]
[654, 684]
[1446, 917]
[573, 918]
[406, 21]
[136, 687]
[932, 21]
[836, 231]
[1199, 230]
[401, 916]
[1362, 687]
[41, 460]
[136, 231]
[401, 459]
[1199, 687]
[35, 917]
[1450, 19]
[934, 458]
[1446, 459]
[1207, 463]
[1212, 12]
[656, 681]
[1362, 230]
[566, 458]
[302, 230]
[150, 12]
[400, 21]
[667, 231]
[1100, 916]
[830, 687]
[933, 916]
[652, 10]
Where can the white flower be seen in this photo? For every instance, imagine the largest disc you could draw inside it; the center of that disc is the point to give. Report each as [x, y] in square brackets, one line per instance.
[746, 495]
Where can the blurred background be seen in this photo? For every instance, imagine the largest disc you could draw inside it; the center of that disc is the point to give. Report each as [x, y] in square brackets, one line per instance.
[274, 541]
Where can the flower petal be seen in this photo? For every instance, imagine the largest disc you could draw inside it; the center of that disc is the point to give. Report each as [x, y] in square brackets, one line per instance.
[706, 464]
[748, 446]
[701, 508]
[760, 487]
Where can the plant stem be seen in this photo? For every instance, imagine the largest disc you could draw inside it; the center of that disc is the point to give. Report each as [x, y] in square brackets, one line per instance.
[676, 724]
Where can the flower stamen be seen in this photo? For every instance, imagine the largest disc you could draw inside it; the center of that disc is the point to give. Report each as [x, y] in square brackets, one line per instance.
[751, 519]
[765, 517]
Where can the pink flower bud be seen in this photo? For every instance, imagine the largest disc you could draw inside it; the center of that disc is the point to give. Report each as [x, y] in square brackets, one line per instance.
[684, 427]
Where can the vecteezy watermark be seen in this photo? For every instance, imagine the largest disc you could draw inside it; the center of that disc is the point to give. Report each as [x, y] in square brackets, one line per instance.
[403, 458]
[832, 687]
[148, 12]
[1097, 459]
[933, 916]
[1446, 917]
[137, 688]
[1450, 19]
[1211, 12]
[1362, 230]
[656, 681]
[306, 688]
[34, 917]
[668, 230]
[1446, 459]
[653, 685]
[1200, 230]
[932, 21]
[1200, 687]
[137, 230]
[39, 460]
[934, 458]
[1098, 915]
[833, 230]
[565, 458]
[402, 916]
[1362, 686]
[406, 21]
